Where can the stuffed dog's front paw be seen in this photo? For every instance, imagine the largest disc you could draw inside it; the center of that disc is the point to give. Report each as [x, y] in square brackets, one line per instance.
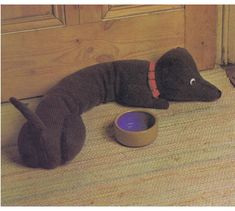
[161, 104]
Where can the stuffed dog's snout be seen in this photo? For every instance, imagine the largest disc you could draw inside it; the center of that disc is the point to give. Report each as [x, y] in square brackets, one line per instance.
[208, 92]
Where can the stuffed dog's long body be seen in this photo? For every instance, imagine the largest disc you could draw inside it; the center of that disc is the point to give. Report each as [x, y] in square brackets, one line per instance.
[55, 133]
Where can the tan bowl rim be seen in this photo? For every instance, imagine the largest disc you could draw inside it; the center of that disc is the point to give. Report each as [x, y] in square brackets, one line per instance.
[135, 132]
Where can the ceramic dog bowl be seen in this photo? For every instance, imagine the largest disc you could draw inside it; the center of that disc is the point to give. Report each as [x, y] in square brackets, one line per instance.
[135, 128]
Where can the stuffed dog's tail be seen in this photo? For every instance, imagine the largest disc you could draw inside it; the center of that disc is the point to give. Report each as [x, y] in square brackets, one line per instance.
[28, 114]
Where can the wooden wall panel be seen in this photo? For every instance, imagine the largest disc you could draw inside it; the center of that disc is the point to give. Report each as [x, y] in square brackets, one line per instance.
[16, 12]
[29, 17]
[33, 62]
[123, 11]
[200, 34]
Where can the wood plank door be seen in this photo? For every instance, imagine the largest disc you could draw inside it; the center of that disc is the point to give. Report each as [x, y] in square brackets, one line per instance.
[43, 43]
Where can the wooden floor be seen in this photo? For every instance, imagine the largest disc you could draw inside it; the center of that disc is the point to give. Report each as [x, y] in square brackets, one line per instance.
[192, 161]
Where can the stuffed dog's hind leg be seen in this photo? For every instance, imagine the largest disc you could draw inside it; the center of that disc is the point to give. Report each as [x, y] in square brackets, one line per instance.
[52, 135]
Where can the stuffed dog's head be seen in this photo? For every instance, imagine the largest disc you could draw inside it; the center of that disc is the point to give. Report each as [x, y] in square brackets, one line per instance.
[179, 80]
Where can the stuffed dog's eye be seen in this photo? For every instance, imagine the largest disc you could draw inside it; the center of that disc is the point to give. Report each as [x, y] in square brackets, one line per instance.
[192, 81]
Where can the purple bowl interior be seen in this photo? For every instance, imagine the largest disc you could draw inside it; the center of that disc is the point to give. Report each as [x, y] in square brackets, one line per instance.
[135, 121]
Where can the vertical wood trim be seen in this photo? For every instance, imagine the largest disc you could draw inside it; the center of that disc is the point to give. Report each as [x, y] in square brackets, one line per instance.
[200, 34]
[231, 34]
[219, 35]
[225, 34]
[72, 14]
[90, 13]
[58, 12]
[104, 10]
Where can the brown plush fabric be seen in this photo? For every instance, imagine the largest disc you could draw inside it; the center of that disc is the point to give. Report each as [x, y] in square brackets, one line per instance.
[55, 133]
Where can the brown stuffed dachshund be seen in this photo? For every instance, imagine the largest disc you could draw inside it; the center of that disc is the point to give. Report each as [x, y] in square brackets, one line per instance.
[55, 133]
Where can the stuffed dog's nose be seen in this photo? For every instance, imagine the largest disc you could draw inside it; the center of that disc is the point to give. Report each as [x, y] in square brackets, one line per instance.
[208, 92]
[213, 93]
[219, 93]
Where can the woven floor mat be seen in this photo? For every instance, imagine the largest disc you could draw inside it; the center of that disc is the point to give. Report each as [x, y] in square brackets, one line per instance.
[192, 161]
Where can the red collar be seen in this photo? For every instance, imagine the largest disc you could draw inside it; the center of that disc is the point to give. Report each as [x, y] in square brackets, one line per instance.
[152, 80]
